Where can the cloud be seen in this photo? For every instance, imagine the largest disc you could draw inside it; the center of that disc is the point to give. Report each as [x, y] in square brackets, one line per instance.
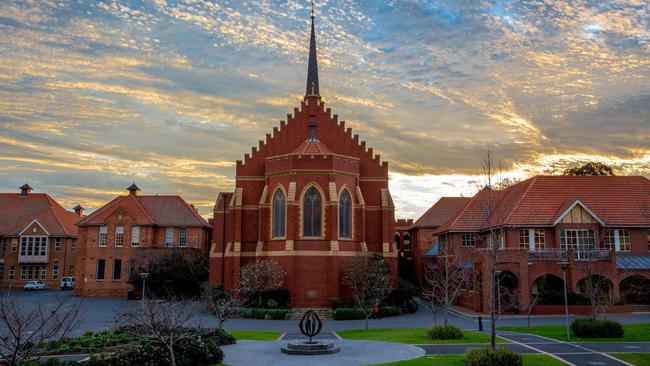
[96, 94]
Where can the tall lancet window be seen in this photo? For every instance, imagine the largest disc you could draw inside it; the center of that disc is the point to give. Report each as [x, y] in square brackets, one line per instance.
[345, 215]
[279, 209]
[311, 208]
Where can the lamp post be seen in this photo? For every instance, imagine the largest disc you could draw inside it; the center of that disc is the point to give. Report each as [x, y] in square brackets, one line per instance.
[497, 278]
[565, 264]
[144, 276]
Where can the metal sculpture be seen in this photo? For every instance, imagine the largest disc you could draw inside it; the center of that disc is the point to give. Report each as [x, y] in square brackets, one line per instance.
[310, 324]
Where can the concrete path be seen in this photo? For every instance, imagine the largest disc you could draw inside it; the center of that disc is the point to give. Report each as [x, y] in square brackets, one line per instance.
[353, 353]
[577, 354]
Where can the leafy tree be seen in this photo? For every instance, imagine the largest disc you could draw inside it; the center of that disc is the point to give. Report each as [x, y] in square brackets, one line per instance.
[219, 303]
[178, 274]
[590, 168]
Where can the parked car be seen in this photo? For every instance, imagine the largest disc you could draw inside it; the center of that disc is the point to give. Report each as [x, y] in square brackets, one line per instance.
[34, 286]
[67, 283]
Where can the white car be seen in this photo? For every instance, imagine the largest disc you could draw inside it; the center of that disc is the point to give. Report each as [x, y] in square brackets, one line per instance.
[34, 285]
[67, 283]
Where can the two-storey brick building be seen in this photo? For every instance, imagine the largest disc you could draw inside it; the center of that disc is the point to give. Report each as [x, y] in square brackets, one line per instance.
[596, 226]
[37, 239]
[129, 229]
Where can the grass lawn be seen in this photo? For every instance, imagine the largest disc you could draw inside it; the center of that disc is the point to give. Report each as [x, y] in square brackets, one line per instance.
[412, 336]
[638, 359]
[457, 360]
[255, 335]
[633, 333]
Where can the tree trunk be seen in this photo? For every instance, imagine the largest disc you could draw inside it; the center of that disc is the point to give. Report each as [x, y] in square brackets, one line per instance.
[446, 305]
[367, 316]
[172, 359]
[493, 326]
[446, 314]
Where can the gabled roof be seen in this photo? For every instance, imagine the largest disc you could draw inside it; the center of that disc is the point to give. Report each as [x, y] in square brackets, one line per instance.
[544, 200]
[17, 212]
[441, 211]
[149, 210]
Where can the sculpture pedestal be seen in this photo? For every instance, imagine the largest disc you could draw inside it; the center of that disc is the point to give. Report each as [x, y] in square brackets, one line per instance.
[307, 348]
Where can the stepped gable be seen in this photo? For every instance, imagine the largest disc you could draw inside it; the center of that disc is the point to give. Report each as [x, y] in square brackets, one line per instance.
[331, 132]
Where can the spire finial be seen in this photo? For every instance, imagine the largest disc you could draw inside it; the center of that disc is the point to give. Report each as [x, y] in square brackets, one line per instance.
[312, 68]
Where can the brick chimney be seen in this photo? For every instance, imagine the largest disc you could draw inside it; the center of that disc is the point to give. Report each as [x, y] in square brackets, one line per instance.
[79, 210]
[25, 190]
[133, 189]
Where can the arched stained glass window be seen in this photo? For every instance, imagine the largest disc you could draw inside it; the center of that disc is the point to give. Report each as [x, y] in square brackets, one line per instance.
[311, 213]
[345, 215]
[279, 214]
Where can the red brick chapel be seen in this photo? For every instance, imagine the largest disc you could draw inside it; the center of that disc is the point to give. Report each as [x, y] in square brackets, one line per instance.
[310, 197]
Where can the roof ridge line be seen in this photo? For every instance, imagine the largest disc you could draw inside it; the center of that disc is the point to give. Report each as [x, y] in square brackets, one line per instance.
[142, 208]
[521, 199]
[460, 213]
[193, 210]
[111, 203]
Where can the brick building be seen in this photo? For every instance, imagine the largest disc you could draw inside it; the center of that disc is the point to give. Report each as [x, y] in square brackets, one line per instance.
[37, 239]
[421, 233]
[310, 196]
[597, 225]
[129, 230]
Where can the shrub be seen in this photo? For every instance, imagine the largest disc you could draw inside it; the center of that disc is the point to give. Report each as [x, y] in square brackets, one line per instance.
[281, 295]
[272, 304]
[188, 352]
[356, 313]
[590, 328]
[488, 357]
[255, 313]
[445, 332]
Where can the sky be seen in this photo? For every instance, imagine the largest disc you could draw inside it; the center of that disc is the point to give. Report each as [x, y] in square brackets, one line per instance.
[96, 95]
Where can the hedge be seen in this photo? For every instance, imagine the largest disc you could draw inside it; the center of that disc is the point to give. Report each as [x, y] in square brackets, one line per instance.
[255, 313]
[489, 357]
[356, 313]
[590, 328]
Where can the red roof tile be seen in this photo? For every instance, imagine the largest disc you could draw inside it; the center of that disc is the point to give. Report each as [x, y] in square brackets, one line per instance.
[542, 200]
[149, 210]
[16, 212]
[312, 146]
[441, 211]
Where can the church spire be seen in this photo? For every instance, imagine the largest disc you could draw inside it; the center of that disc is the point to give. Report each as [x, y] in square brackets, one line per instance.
[312, 71]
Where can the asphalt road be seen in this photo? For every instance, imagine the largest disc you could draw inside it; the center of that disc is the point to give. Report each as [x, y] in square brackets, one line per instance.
[99, 312]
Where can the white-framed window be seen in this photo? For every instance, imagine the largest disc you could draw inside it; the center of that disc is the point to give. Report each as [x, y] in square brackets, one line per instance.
[182, 237]
[55, 272]
[23, 272]
[135, 236]
[57, 244]
[33, 246]
[169, 237]
[73, 245]
[576, 238]
[14, 245]
[532, 239]
[618, 240]
[2, 271]
[467, 240]
[12, 272]
[103, 235]
[119, 236]
[71, 270]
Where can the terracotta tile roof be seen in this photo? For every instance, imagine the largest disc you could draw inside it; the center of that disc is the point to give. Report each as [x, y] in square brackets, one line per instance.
[312, 147]
[149, 210]
[542, 200]
[441, 211]
[16, 212]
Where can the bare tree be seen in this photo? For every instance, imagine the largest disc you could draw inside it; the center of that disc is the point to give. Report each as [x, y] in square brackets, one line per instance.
[491, 240]
[370, 279]
[165, 323]
[219, 303]
[27, 334]
[529, 306]
[258, 277]
[445, 279]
